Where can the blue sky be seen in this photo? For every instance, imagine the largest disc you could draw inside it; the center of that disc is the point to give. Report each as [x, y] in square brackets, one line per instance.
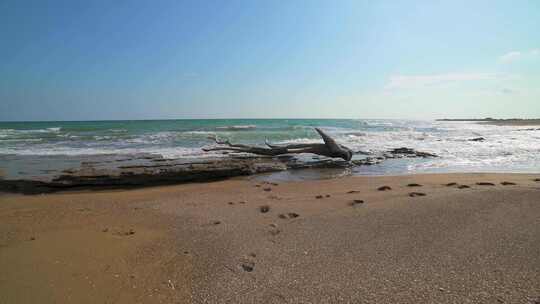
[84, 60]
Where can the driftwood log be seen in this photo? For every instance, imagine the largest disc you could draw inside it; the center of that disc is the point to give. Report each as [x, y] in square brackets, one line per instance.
[329, 148]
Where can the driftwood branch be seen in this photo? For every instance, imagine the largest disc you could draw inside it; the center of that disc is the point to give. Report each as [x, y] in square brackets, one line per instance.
[329, 148]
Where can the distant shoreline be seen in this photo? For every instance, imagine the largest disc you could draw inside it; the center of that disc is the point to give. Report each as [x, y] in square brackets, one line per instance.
[500, 122]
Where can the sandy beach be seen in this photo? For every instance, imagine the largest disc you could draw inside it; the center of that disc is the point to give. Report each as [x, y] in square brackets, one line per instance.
[346, 240]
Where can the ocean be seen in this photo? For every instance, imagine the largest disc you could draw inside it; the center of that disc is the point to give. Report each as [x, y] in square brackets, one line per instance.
[25, 145]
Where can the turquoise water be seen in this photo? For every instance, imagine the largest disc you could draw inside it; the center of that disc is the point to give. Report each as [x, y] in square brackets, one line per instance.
[514, 149]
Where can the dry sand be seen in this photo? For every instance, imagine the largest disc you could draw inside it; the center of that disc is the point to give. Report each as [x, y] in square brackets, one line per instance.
[213, 243]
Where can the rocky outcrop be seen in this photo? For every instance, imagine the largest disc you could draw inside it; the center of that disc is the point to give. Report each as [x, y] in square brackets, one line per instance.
[151, 170]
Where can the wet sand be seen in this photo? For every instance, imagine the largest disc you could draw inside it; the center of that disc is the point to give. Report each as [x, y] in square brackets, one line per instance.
[401, 239]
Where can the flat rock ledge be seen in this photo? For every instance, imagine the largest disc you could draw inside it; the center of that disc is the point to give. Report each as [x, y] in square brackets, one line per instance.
[152, 170]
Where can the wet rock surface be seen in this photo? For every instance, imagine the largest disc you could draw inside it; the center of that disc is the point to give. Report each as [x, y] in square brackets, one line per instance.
[150, 170]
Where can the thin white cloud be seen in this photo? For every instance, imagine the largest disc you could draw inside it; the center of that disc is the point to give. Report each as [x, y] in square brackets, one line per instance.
[516, 55]
[422, 81]
[509, 57]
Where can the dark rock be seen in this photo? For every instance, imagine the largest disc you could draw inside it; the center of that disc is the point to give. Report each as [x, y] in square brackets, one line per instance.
[414, 185]
[477, 139]
[485, 184]
[318, 196]
[384, 188]
[507, 183]
[463, 187]
[353, 191]
[264, 209]
[151, 170]
[415, 194]
[451, 184]
[400, 152]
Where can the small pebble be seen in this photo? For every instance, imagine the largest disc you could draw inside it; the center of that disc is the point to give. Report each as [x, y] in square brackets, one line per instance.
[264, 208]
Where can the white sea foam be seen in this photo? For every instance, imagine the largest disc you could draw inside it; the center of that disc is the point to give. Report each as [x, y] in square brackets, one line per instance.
[237, 127]
[504, 147]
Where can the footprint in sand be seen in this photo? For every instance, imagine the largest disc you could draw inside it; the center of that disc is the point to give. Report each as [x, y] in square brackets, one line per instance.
[289, 215]
[356, 202]
[485, 184]
[384, 188]
[463, 187]
[248, 266]
[274, 229]
[415, 194]
[508, 184]
[451, 184]
[248, 262]
[414, 185]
